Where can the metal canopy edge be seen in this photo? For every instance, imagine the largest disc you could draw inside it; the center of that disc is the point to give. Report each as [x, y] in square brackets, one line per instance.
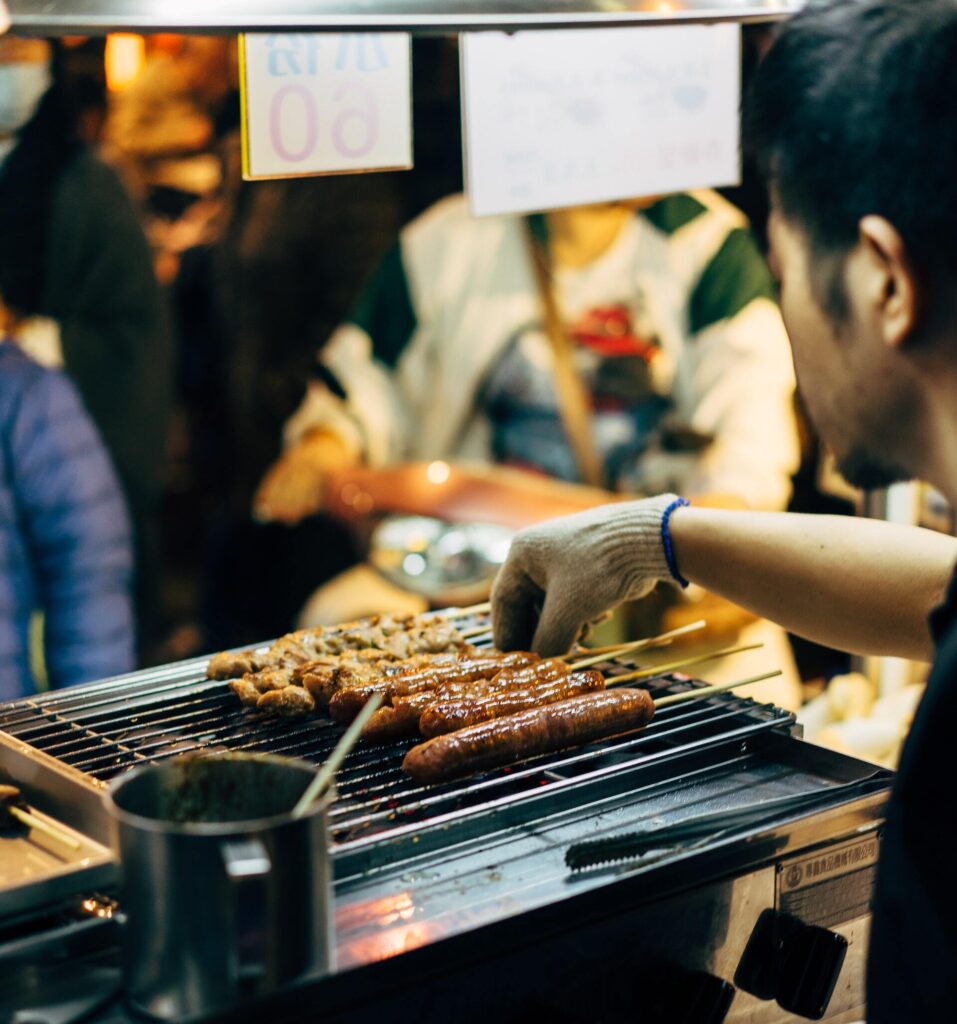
[97, 17]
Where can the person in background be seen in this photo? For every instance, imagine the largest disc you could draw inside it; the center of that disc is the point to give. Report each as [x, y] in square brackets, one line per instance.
[673, 333]
[77, 272]
[632, 346]
[65, 543]
[851, 119]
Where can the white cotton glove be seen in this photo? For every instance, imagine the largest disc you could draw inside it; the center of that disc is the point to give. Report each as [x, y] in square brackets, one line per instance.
[564, 573]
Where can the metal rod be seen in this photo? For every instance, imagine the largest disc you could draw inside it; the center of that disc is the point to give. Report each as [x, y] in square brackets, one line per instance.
[657, 670]
[706, 691]
[329, 769]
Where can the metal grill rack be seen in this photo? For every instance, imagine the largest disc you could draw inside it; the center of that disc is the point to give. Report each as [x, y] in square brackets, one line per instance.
[106, 728]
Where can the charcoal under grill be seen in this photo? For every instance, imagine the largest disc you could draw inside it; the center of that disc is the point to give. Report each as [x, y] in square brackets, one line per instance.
[479, 864]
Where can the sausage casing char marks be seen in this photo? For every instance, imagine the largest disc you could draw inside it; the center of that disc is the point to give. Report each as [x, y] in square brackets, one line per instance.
[348, 701]
[445, 716]
[540, 730]
[463, 703]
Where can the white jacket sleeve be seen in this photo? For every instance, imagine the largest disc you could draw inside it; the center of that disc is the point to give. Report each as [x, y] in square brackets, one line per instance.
[738, 387]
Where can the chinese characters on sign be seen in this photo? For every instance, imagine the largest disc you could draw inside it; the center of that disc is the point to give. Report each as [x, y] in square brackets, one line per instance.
[564, 118]
[325, 103]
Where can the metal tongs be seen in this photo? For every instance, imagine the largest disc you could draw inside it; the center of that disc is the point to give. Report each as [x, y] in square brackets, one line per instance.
[708, 828]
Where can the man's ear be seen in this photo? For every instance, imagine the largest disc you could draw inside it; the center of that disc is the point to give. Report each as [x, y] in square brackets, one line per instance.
[891, 284]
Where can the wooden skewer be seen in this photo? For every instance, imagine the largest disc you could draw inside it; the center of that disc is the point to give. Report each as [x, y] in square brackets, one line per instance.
[607, 649]
[324, 776]
[637, 645]
[32, 821]
[707, 691]
[476, 631]
[657, 670]
[473, 609]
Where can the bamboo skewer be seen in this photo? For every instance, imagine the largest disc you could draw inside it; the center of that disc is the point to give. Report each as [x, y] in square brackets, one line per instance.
[473, 609]
[636, 645]
[475, 631]
[9, 794]
[328, 770]
[656, 670]
[707, 691]
[32, 821]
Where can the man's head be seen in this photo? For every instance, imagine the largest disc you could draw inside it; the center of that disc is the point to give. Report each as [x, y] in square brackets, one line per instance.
[851, 120]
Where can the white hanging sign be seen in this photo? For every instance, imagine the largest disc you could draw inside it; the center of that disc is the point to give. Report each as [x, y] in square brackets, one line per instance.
[564, 118]
[325, 103]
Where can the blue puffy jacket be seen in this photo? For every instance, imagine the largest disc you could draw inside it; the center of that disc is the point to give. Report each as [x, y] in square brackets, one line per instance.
[65, 541]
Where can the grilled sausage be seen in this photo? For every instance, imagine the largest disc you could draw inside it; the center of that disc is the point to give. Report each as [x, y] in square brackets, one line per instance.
[448, 715]
[389, 724]
[291, 701]
[538, 672]
[347, 702]
[502, 741]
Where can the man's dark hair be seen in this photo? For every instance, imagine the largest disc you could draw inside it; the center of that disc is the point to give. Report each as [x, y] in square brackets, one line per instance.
[852, 113]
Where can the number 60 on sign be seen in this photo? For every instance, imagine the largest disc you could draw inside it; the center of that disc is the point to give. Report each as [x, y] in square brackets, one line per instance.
[325, 103]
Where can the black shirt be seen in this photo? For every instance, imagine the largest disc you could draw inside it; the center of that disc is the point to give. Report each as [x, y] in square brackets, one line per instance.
[912, 969]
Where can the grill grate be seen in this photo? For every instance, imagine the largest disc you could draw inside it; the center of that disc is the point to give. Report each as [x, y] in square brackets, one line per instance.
[106, 728]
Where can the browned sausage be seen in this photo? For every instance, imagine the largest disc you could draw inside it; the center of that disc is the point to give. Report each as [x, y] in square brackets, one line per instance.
[503, 741]
[539, 672]
[389, 724]
[347, 702]
[448, 715]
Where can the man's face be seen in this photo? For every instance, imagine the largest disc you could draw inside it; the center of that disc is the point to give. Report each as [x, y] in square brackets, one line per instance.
[862, 395]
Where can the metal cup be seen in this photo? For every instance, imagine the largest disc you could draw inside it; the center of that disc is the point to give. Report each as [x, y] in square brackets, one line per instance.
[226, 894]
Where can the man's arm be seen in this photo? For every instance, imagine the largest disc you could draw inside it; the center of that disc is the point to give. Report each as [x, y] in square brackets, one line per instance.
[856, 584]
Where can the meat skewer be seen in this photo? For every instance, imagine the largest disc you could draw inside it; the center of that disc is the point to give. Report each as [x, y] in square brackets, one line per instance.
[543, 730]
[402, 719]
[448, 715]
[347, 701]
[396, 636]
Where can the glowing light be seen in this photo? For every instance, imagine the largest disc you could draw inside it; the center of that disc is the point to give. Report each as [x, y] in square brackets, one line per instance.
[437, 472]
[413, 565]
[123, 60]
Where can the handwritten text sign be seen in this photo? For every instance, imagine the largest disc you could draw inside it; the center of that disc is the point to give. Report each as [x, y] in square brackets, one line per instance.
[565, 118]
[325, 103]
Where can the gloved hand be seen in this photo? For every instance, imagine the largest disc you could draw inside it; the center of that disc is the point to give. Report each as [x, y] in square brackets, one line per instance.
[564, 573]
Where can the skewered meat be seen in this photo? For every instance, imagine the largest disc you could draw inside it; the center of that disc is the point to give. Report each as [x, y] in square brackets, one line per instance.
[347, 702]
[542, 730]
[448, 715]
[230, 664]
[536, 672]
[395, 723]
[396, 637]
[402, 719]
[246, 692]
[290, 700]
[269, 679]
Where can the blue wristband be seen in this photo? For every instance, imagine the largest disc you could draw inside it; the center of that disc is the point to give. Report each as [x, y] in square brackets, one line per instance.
[666, 541]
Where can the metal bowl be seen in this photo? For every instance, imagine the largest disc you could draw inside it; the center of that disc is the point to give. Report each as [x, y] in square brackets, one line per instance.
[445, 562]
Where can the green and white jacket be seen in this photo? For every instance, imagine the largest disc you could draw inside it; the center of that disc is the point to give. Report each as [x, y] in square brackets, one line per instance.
[401, 379]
